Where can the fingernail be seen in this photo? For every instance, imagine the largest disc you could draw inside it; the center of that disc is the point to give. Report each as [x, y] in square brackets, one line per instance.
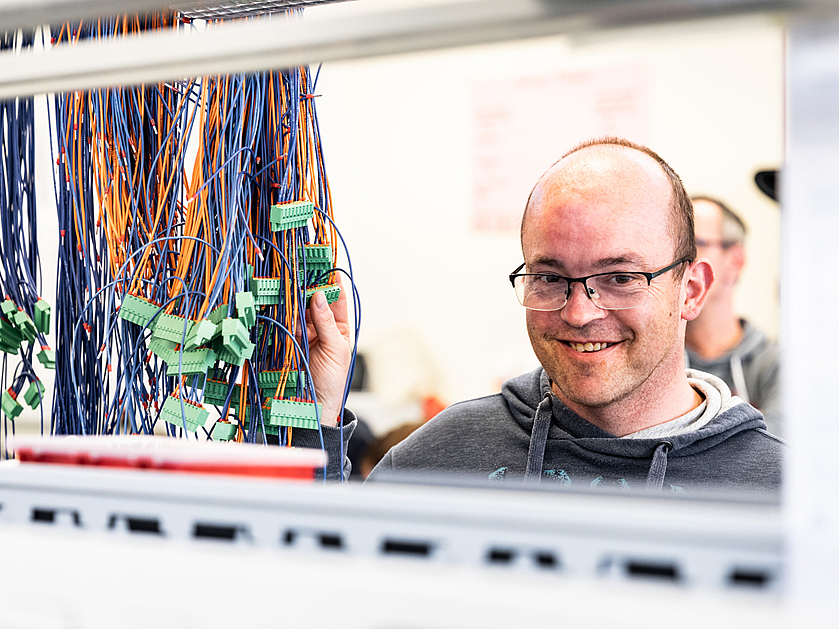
[320, 300]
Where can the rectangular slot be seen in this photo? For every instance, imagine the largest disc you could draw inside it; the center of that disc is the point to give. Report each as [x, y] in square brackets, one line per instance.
[402, 547]
[43, 515]
[214, 531]
[331, 540]
[545, 559]
[500, 555]
[752, 578]
[653, 570]
[143, 525]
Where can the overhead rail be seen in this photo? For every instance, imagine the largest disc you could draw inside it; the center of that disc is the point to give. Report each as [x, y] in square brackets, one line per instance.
[366, 28]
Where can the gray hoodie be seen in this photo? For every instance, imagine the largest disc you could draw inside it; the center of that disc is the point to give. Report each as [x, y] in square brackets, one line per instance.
[527, 432]
[750, 370]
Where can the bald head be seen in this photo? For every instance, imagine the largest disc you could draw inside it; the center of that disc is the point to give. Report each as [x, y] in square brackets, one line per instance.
[630, 170]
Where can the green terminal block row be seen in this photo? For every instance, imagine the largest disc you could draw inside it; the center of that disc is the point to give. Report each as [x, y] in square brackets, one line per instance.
[10, 337]
[8, 308]
[41, 314]
[235, 335]
[215, 393]
[267, 286]
[47, 358]
[162, 348]
[201, 333]
[138, 311]
[218, 314]
[291, 215]
[190, 363]
[270, 380]
[194, 416]
[171, 327]
[332, 292]
[223, 431]
[24, 323]
[246, 308]
[318, 257]
[291, 413]
[225, 354]
[11, 407]
[34, 394]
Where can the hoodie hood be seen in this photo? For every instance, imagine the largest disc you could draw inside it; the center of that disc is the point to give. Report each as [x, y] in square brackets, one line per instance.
[550, 420]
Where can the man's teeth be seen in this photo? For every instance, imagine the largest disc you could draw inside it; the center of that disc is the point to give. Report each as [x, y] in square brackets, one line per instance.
[589, 347]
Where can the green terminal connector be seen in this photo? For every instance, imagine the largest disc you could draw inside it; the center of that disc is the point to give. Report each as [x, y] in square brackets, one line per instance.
[41, 314]
[8, 308]
[24, 323]
[189, 363]
[291, 215]
[215, 393]
[11, 407]
[47, 357]
[10, 337]
[246, 308]
[218, 314]
[332, 292]
[34, 394]
[223, 431]
[139, 311]
[291, 413]
[270, 380]
[318, 257]
[234, 335]
[267, 286]
[227, 355]
[201, 333]
[172, 327]
[194, 417]
[162, 348]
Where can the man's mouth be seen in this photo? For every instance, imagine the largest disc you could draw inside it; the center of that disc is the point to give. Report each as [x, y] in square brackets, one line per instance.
[588, 347]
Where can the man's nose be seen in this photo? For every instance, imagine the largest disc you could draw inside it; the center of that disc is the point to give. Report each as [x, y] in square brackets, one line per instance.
[579, 309]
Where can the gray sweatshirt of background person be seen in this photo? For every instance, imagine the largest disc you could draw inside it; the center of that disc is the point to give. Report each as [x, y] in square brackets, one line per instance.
[526, 431]
[758, 360]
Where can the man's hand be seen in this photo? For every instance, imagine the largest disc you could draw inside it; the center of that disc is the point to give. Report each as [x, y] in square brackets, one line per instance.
[328, 329]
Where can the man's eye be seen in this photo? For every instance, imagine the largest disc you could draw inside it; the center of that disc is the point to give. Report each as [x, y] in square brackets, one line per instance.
[622, 279]
[550, 279]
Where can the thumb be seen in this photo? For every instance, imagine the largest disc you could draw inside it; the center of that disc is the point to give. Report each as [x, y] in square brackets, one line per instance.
[324, 320]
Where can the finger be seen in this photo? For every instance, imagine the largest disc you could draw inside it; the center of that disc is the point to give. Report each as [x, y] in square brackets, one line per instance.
[339, 306]
[323, 320]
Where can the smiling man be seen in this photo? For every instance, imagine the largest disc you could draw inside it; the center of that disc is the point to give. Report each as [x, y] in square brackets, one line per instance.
[610, 279]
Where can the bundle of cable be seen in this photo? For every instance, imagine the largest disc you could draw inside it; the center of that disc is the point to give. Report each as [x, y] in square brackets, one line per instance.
[196, 221]
[24, 315]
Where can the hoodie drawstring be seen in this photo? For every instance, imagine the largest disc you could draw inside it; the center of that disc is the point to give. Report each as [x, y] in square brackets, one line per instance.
[538, 440]
[658, 468]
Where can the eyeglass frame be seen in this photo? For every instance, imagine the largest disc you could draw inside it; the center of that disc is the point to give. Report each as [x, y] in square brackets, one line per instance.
[650, 276]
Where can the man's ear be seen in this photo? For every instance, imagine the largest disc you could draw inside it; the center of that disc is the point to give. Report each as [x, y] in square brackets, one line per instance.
[698, 278]
[737, 257]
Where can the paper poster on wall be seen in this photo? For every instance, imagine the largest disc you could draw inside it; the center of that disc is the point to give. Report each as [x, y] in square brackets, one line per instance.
[521, 125]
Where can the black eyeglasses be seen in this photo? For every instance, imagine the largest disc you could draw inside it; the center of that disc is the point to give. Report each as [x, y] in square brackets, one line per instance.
[615, 290]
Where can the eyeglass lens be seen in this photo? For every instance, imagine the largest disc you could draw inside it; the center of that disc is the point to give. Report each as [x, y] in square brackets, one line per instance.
[613, 291]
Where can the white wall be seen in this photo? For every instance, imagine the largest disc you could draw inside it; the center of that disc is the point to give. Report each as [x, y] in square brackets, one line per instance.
[439, 315]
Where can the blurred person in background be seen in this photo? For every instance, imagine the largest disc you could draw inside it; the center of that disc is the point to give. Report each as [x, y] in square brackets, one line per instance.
[718, 341]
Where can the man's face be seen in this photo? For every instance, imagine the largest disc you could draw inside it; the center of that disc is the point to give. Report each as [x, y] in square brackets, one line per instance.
[605, 209]
[709, 245]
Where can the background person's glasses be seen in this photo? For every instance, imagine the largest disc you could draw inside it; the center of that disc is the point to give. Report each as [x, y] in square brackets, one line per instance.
[615, 290]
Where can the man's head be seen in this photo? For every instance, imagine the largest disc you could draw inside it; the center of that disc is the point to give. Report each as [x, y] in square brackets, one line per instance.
[610, 205]
[720, 234]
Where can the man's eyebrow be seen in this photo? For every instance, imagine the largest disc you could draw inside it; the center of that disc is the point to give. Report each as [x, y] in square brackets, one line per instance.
[627, 261]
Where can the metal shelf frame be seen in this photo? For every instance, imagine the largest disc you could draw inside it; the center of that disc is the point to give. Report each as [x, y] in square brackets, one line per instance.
[360, 29]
